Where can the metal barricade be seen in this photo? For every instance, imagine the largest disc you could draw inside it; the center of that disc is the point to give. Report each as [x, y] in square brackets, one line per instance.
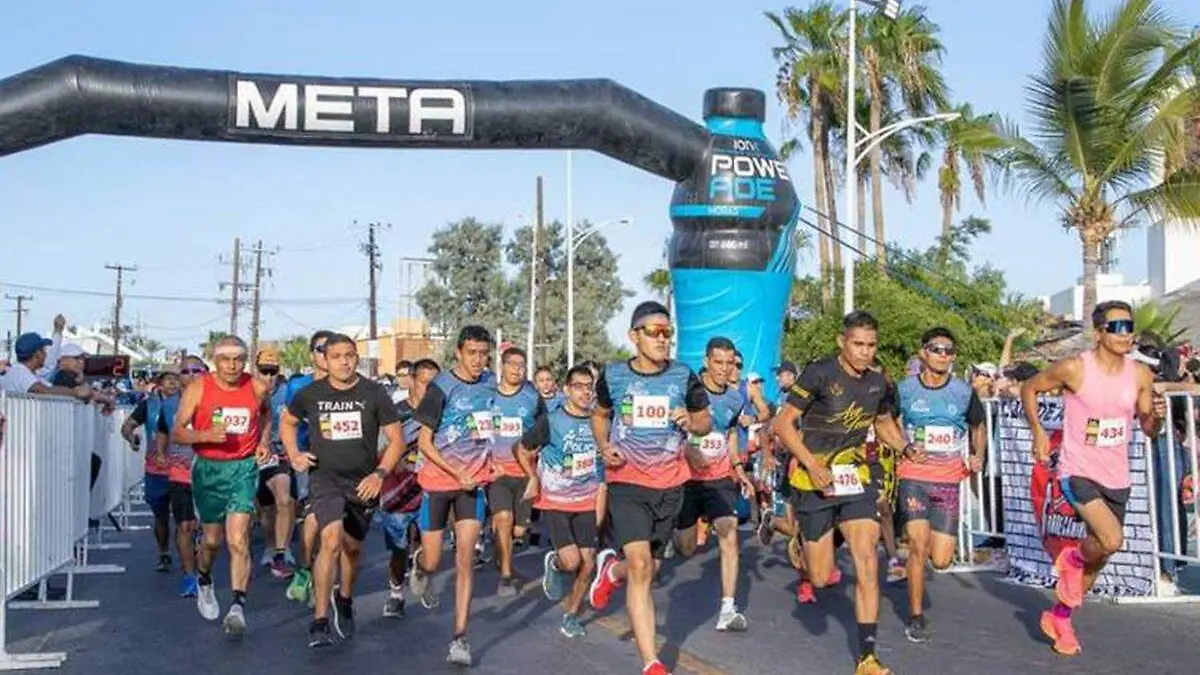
[980, 507]
[112, 487]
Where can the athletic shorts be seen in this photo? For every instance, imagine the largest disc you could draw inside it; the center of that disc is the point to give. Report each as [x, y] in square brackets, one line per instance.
[643, 514]
[155, 489]
[183, 509]
[395, 528]
[504, 494]
[1080, 491]
[819, 515]
[222, 487]
[265, 496]
[708, 499]
[434, 513]
[571, 528]
[333, 498]
[936, 503]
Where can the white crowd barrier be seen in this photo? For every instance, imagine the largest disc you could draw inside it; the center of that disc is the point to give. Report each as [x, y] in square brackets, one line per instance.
[980, 507]
[46, 446]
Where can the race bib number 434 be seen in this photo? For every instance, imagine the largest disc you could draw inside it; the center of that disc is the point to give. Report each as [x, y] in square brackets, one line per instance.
[1110, 433]
[651, 412]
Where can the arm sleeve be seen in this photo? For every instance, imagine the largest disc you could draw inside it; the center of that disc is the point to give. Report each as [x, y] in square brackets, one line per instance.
[603, 395]
[139, 413]
[975, 412]
[429, 412]
[803, 392]
[387, 410]
[537, 436]
[696, 398]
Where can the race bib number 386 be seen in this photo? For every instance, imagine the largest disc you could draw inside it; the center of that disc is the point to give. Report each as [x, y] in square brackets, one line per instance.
[651, 412]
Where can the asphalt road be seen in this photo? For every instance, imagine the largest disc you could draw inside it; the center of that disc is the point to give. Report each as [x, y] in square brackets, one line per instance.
[981, 626]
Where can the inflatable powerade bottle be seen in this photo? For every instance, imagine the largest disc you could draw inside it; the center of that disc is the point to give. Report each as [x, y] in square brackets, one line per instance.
[731, 254]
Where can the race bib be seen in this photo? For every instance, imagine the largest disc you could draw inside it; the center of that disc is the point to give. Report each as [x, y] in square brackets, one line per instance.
[236, 420]
[940, 440]
[846, 481]
[581, 464]
[651, 412]
[345, 426]
[711, 446]
[485, 426]
[511, 427]
[1111, 433]
[271, 462]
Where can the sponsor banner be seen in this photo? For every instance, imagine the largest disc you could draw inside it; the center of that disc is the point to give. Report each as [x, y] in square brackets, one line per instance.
[1038, 521]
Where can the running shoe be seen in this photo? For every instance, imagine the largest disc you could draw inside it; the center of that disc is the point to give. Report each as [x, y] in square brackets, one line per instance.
[805, 593]
[507, 588]
[870, 665]
[897, 572]
[835, 577]
[460, 652]
[730, 619]
[163, 565]
[1061, 633]
[189, 586]
[234, 624]
[280, 568]
[669, 550]
[917, 630]
[419, 584]
[1069, 588]
[268, 555]
[393, 607]
[206, 603]
[553, 584]
[319, 634]
[343, 614]
[604, 584]
[655, 668]
[297, 591]
[766, 530]
[572, 627]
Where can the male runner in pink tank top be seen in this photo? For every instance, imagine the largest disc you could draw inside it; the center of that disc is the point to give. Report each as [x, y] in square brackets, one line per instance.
[1103, 390]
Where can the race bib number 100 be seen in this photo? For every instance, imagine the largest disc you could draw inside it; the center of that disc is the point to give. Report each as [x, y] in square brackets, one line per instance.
[846, 481]
[651, 412]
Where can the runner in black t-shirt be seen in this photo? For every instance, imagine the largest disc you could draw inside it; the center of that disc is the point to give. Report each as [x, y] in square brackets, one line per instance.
[345, 414]
[838, 400]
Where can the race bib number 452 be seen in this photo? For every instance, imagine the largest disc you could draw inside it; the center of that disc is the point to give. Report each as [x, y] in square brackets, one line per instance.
[651, 412]
[345, 426]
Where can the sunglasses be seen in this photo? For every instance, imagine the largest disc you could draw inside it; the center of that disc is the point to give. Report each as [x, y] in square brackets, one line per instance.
[319, 349]
[658, 332]
[941, 349]
[193, 371]
[738, 365]
[1119, 327]
[269, 371]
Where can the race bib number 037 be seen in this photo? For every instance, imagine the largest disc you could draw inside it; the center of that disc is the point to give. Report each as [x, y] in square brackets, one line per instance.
[651, 412]
[236, 420]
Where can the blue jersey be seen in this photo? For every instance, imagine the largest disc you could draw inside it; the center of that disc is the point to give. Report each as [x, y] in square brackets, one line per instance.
[569, 469]
[294, 386]
[708, 455]
[512, 416]
[461, 415]
[938, 420]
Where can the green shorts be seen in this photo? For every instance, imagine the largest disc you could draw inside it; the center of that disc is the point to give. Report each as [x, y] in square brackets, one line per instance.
[223, 487]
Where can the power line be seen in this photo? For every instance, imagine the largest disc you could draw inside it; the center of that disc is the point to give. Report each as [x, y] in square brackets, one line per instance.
[177, 298]
[116, 328]
[20, 311]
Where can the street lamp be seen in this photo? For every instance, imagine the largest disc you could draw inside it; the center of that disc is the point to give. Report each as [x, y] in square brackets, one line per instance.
[573, 241]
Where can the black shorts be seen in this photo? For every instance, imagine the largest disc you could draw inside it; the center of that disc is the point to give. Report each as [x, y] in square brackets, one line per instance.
[333, 498]
[434, 513]
[936, 503]
[708, 499]
[571, 528]
[265, 496]
[505, 494]
[819, 515]
[1080, 491]
[643, 514]
[179, 496]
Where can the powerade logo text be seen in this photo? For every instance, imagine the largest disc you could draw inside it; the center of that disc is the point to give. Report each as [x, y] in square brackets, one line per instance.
[740, 178]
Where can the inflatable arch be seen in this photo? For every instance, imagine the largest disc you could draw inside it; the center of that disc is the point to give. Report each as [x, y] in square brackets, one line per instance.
[734, 208]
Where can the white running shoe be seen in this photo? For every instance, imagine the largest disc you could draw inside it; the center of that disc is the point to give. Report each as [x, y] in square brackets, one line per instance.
[732, 620]
[235, 621]
[206, 603]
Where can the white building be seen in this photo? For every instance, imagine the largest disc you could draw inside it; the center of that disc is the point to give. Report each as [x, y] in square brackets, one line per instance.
[95, 342]
[1068, 302]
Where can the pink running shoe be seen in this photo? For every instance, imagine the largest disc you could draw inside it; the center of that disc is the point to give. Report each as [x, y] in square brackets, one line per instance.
[1061, 633]
[1070, 578]
[805, 594]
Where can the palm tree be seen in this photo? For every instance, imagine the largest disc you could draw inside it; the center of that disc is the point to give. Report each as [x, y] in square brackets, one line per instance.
[1107, 106]
[214, 336]
[969, 140]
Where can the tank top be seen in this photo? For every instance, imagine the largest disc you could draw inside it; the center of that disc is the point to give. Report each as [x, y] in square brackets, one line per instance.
[237, 410]
[1098, 425]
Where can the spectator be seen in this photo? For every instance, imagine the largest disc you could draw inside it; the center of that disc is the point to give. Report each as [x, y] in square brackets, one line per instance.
[69, 373]
[23, 377]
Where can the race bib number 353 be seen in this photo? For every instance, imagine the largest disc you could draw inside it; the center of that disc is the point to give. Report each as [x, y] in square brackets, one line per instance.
[651, 412]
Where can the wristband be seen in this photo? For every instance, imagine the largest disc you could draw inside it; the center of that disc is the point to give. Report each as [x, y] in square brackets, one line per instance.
[381, 472]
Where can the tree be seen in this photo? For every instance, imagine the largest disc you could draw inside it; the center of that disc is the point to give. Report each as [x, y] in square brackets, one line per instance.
[970, 141]
[1108, 106]
[1153, 317]
[293, 353]
[467, 283]
[214, 336]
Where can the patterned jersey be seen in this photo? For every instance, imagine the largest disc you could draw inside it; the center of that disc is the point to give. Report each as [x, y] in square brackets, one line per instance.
[512, 416]
[940, 421]
[708, 455]
[460, 415]
[643, 430]
[401, 492]
[569, 469]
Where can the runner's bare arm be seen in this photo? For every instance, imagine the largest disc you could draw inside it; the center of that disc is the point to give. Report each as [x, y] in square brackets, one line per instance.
[601, 427]
[188, 402]
[524, 457]
[431, 453]
[785, 429]
[888, 431]
[289, 429]
[265, 414]
[395, 447]
[1151, 406]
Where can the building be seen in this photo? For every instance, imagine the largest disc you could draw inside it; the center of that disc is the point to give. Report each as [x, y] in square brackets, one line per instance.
[1068, 303]
[93, 341]
[405, 339]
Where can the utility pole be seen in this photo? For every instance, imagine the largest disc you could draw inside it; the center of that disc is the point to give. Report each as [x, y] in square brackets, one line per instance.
[8, 346]
[256, 305]
[20, 310]
[540, 266]
[116, 329]
[236, 286]
[374, 265]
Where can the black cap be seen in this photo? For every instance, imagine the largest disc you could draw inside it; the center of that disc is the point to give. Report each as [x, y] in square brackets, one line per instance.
[732, 102]
[787, 367]
[645, 309]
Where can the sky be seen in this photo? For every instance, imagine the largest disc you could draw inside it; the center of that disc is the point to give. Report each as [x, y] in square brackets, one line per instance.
[173, 208]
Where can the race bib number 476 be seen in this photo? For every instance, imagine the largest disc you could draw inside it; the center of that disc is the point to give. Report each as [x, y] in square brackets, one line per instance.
[651, 412]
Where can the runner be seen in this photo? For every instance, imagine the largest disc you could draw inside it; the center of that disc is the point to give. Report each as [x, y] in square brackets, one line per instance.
[456, 434]
[1103, 391]
[718, 474]
[543, 379]
[277, 508]
[400, 499]
[518, 406]
[642, 442]
[567, 486]
[348, 413]
[300, 590]
[230, 421]
[179, 474]
[837, 400]
[944, 422]
[156, 483]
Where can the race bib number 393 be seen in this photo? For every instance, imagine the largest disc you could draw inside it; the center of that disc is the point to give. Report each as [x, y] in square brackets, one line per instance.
[510, 427]
[236, 420]
[651, 412]
[345, 426]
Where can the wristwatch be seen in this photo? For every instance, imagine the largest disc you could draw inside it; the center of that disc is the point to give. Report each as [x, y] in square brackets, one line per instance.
[381, 472]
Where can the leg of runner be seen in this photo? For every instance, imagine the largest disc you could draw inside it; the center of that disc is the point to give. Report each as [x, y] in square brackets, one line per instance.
[162, 537]
[300, 590]
[862, 535]
[184, 513]
[638, 571]
[727, 540]
[280, 486]
[213, 536]
[325, 567]
[343, 600]
[237, 540]
[466, 534]
[396, 538]
[920, 538]
[502, 529]
[581, 563]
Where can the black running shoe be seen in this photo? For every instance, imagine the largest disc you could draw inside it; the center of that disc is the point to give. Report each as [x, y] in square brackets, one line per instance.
[343, 616]
[319, 634]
